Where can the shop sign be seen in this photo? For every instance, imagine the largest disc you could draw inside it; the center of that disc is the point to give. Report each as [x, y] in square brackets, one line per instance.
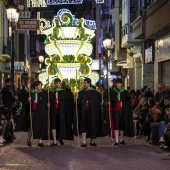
[28, 24]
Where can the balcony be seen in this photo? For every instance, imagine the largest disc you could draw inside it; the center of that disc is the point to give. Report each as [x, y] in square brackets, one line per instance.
[139, 26]
[121, 54]
[127, 37]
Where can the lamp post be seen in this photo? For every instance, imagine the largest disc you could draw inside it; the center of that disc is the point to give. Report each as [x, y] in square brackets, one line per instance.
[107, 43]
[12, 15]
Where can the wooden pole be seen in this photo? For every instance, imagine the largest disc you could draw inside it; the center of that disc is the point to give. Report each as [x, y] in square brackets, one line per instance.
[29, 86]
[48, 112]
[77, 112]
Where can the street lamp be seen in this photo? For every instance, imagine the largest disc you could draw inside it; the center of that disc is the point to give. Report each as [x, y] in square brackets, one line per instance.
[41, 60]
[12, 15]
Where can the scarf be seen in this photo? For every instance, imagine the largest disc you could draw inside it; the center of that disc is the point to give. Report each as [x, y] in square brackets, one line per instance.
[118, 92]
[56, 90]
[91, 88]
[36, 94]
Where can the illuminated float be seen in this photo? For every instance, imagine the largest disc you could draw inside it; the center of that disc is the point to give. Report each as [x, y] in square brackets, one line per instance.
[68, 45]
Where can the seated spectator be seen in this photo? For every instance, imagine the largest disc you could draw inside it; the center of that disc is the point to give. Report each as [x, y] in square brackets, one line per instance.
[142, 113]
[135, 102]
[161, 91]
[167, 136]
[146, 126]
[155, 118]
[163, 125]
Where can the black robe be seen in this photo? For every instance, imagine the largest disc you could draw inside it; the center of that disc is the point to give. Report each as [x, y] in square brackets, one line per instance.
[91, 117]
[62, 115]
[127, 110]
[40, 116]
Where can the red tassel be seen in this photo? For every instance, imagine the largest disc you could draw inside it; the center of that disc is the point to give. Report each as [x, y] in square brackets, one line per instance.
[87, 104]
[34, 106]
[56, 105]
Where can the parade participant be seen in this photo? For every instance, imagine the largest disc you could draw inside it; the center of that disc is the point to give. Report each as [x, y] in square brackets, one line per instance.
[39, 105]
[60, 114]
[71, 98]
[91, 117]
[122, 112]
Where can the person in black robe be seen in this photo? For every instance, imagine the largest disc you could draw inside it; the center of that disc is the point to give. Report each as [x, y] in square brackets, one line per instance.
[39, 111]
[22, 123]
[91, 117]
[122, 112]
[71, 99]
[60, 114]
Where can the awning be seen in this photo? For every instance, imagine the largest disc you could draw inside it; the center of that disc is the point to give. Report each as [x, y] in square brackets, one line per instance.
[4, 57]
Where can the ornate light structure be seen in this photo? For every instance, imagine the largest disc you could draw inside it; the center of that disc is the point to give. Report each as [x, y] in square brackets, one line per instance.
[69, 48]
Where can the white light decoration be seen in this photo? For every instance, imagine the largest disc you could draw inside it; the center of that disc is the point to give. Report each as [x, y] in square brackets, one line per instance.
[99, 1]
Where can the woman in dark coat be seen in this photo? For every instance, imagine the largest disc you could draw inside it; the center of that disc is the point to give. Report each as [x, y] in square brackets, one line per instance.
[122, 112]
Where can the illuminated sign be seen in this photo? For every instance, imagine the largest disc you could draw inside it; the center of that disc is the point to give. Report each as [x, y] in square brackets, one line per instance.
[59, 2]
[36, 3]
[43, 3]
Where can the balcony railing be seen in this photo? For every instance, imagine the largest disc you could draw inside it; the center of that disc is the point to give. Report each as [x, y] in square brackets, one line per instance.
[121, 54]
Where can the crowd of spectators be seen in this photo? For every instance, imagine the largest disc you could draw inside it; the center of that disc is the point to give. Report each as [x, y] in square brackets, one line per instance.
[151, 114]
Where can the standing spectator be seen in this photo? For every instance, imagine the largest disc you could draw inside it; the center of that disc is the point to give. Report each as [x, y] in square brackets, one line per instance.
[8, 99]
[60, 114]
[91, 117]
[122, 112]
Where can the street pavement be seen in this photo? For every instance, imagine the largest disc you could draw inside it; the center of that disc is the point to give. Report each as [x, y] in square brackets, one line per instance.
[137, 154]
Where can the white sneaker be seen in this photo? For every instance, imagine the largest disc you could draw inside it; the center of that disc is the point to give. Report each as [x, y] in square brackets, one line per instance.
[1, 138]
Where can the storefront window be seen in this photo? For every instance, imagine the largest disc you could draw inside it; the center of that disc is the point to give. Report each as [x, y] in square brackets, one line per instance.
[165, 70]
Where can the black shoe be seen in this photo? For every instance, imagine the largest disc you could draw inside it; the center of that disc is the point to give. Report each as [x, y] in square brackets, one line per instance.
[40, 144]
[123, 143]
[29, 143]
[8, 140]
[116, 144]
[83, 145]
[53, 144]
[61, 142]
[93, 144]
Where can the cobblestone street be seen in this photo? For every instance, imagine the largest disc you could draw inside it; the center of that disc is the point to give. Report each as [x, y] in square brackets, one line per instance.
[136, 154]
